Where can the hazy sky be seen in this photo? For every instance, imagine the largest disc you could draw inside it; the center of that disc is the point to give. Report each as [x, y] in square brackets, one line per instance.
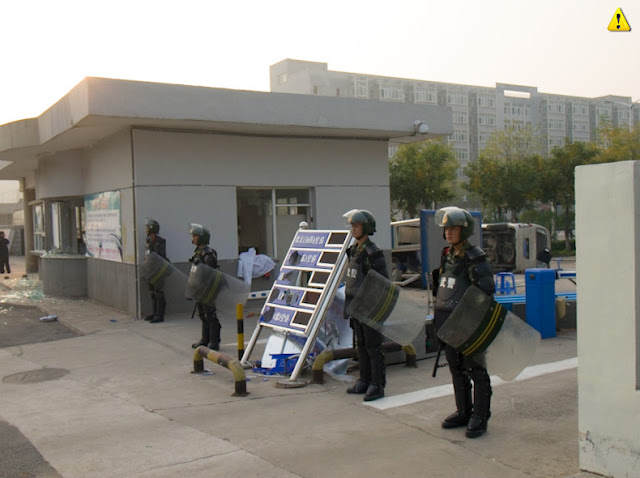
[560, 46]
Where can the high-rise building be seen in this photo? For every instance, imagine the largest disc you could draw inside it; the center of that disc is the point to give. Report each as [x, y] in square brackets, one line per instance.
[477, 111]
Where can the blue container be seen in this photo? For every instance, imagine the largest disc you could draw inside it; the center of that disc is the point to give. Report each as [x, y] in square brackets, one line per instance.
[541, 301]
[285, 363]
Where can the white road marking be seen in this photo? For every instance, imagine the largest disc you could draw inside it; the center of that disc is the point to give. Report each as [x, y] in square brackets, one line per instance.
[444, 390]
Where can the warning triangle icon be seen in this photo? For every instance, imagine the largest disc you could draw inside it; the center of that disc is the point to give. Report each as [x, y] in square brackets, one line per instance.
[619, 22]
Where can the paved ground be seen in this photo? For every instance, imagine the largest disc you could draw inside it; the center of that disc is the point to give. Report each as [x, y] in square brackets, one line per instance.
[23, 324]
[118, 400]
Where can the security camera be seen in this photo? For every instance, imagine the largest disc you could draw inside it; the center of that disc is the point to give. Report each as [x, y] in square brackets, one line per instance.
[420, 127]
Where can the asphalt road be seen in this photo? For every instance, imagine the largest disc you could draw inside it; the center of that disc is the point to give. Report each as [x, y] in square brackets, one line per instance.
[21, 325]
[19, 457]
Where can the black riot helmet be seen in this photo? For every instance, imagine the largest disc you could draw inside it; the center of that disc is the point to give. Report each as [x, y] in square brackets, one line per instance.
[364, 217]
[152, 226]
[203, 233]
[455, 216]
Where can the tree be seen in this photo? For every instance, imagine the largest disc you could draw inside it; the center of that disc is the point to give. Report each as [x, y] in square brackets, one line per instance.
[513, 145]
[421, 174]
[561, 187]
[504, 176]
[621, 144]
[483, 181]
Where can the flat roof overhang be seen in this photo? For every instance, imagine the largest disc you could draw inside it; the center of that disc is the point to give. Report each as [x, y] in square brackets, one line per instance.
[99, 107]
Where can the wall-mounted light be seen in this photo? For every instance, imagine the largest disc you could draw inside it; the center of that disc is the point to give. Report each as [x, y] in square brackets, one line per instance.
[420, 127]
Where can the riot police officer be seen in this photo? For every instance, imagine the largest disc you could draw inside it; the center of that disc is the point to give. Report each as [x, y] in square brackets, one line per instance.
[363, 256]
[462, 265]
[200, 237]
[156, 244]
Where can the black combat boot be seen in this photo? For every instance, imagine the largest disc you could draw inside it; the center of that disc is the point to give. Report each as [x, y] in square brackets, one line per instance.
[481, 403]
[455, 420]
[359, 387]
[205, 335]
[155, 310]
[364, 368]
[378, 376]
[476, 427]
[374, 392]
[214, 333]
[162, 304]
[462, 393]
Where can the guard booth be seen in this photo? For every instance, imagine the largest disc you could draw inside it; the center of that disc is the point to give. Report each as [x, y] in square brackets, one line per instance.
[514, 247]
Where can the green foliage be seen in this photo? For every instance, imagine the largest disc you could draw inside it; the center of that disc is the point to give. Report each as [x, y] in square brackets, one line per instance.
[506, 175]
[559, 248]
[514, 145]
[544, 218]
[561, 169]
[422, 173]
[621, 144]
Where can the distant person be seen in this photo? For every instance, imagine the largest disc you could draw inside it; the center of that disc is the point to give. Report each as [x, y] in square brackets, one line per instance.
[156, 244]
[363, 256]
[4, 254]
[544, 257]
[462, 265]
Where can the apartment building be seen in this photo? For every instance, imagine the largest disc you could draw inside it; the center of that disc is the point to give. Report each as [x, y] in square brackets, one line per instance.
[478, 112]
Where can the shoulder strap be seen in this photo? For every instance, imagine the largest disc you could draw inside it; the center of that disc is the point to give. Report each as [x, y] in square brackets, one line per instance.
[475, 254]
[372, 249]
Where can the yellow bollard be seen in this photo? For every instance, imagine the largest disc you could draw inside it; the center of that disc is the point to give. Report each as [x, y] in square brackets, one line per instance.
[240, 317]
[224, 360]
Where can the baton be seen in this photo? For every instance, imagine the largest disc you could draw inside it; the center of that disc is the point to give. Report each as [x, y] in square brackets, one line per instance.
[194, 310]
[435, 365]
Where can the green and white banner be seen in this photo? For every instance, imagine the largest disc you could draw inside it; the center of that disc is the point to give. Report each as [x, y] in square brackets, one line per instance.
[103, 229]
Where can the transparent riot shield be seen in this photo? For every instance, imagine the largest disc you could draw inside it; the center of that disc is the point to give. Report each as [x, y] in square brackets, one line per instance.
[383, 306]
[217, 289]
[491, 335]
[161, 274]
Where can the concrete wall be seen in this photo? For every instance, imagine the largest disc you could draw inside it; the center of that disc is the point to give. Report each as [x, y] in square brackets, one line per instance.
[108, 164]
[60, 175]
[193, 177]
[608, 231]
[336, 200]
[63, 276]
[107, 167]
[343, 172]
[112, 283]
[176, 206]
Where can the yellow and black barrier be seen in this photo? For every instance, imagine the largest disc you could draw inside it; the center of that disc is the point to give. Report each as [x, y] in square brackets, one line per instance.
[240, 317]
[226, 361]
[338, 354]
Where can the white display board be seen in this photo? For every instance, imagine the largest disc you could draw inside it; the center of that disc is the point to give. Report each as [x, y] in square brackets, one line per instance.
[306, 284]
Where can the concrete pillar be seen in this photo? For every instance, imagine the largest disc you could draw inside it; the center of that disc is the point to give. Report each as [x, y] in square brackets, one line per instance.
[30, 261]
[608, 276]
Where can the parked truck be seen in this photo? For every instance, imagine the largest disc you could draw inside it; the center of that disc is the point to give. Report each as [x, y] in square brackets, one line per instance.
[406, 251]
[514, 247]
[510, 247]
